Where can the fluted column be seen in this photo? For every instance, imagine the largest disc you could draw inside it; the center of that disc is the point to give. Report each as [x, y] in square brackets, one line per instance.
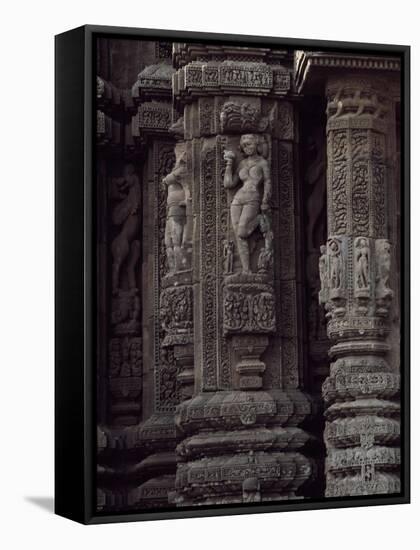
[361, 393]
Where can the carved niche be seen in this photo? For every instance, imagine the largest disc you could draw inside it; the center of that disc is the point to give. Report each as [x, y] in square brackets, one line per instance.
[249, 308]
[176, 297]
[125, 345]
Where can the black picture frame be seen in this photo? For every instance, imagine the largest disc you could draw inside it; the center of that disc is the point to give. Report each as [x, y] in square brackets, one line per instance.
[75, 430]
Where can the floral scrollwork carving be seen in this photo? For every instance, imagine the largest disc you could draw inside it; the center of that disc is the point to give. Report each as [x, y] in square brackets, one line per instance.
[248, 308]
[176, 313]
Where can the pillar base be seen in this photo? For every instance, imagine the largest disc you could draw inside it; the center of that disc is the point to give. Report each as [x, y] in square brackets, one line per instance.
[252, 453]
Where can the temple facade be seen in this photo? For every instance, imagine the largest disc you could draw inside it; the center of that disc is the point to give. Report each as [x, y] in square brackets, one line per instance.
[247, 225]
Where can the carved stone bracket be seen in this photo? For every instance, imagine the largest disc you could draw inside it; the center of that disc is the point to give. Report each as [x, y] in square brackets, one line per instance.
[152, 117]
[153, 81]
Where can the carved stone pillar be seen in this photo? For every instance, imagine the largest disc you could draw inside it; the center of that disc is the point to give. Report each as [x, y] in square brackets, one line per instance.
[155, 438]
[240, 429]
[361, 393]
[138, 444]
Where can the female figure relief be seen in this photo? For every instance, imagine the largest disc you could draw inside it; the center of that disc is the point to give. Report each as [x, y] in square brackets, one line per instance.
[125, 247]
[176, 215]
[247, 205]
[335, 263]
[362, 264]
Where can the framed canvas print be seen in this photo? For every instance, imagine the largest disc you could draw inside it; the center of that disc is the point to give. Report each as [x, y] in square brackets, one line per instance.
[232, 274]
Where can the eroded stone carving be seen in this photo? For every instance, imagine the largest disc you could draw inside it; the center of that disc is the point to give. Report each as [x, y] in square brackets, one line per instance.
[362, 266]
[178, 201]
[335, 267]
[248, 308]
[383, 266]
[125, 250]
[176, 314]
[265, 258]
[242, 117]
[228, 257]
[351, 101]
[246, 205]
[125, 345]
[323, 275]
[125, 247]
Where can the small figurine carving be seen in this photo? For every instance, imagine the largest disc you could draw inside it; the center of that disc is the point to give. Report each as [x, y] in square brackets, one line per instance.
[323, 274]
[362, 259]
[228, 257]
[335, 262]
[177, 128]
[265, 259]
[353, 104]
[125, 310]
[241, 117]
[126, 214]
[383, 268]
[245, 207]
[176, 216]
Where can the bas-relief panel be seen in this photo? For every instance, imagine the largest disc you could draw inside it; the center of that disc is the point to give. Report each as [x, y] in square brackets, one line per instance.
[211, 365]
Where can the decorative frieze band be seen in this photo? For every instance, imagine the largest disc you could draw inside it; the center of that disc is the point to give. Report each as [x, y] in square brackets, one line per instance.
[198, 78]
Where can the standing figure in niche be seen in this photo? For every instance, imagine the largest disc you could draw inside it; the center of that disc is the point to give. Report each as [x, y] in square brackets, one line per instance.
[362, 264]
[265, 259]
[126, 214]
[176, 216]
[383, 262]
[334, 254]
[228, 256]
[247, 205]
[323, 268]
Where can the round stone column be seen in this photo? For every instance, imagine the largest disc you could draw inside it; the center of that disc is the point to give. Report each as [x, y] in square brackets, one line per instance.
[362, 392]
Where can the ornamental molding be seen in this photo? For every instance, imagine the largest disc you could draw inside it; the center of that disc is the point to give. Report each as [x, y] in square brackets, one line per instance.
[184, 53]
[310, 65]
[200, 78]
[154, 80]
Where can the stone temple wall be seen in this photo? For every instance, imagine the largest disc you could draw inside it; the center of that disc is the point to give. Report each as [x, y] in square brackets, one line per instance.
[247, 220]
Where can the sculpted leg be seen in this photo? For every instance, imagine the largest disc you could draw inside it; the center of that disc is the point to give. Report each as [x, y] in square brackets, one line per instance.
[243, 250]
[168, 245]
[177, 232]
[235, 214]
[119, 249]
[132, 262]
[248, 222]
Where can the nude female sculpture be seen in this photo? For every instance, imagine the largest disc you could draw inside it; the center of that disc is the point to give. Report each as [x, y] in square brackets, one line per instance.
[247, 206]
[362, 264]
[176, 215]
[125, 247]
[335, 265]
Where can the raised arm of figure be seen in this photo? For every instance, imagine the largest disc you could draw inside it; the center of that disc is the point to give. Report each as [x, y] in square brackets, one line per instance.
[265, 205]
[231, 178]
